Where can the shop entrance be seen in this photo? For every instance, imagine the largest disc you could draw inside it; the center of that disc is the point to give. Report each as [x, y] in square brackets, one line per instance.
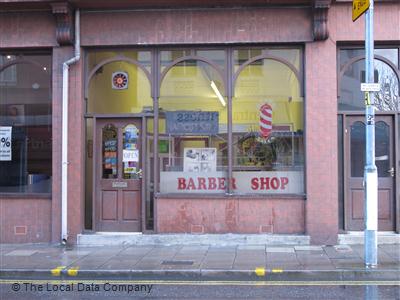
[118, 174]
[354, 158]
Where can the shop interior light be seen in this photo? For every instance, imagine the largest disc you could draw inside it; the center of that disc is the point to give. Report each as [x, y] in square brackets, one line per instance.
[217, 92]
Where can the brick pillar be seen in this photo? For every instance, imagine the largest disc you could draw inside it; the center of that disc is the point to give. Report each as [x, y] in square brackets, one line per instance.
[76, 146]
[321, 144]
[76, 151]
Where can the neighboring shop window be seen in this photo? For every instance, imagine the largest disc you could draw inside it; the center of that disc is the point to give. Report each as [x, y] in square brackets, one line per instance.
[119, 86]
[25, 124]
[193, 114]
[268, 126]
[351, 98]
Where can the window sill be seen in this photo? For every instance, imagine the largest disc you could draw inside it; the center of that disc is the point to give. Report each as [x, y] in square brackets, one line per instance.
[229, 196]
[25, 196]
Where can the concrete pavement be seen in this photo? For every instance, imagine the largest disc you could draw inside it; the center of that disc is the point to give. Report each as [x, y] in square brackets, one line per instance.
[197, 262]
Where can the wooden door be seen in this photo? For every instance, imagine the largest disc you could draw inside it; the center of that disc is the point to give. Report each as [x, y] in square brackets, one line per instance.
[117, 170]
[354, 156]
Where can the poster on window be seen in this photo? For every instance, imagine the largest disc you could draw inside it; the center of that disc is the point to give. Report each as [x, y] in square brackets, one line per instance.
[200, 160]
[5, 143]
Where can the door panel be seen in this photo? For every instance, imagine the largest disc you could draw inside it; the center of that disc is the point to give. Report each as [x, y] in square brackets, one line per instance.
[109, 208]
[131, 209]
[118, 183]
[357, 204]
[354, 154]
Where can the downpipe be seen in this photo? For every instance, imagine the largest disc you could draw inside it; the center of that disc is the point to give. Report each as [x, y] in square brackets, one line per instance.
[64, 134]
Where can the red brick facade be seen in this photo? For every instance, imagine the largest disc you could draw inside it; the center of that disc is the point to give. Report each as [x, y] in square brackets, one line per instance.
[39, 220]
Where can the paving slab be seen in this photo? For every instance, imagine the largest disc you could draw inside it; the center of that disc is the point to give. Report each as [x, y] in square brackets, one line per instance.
[21, 253]
[219, 260]
[251, 247]
[199, 248]
[279, 250]
[343, 248]
[120, 263]
[383, 257]
[333, 253]
[351, 262]
[308, 248]
[281, 256]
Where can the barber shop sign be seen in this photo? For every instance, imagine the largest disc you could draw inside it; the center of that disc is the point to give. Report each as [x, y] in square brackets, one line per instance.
[279, 182]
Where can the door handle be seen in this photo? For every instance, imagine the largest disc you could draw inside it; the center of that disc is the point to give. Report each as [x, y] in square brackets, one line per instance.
[139, 173]
[391, 171]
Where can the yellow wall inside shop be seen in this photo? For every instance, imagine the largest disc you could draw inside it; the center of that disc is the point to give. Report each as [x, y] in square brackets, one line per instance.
[103, 99]
[188, 87]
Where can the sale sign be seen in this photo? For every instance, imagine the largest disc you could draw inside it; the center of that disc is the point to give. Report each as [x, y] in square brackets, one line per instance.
[5, 143]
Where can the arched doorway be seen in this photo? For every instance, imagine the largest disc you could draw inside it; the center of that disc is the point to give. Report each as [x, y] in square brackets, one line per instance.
[118, 97]
[352, 138]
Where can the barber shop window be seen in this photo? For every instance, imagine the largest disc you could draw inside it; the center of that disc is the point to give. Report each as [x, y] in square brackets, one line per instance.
[193, 126]
[25, 123]
[268, 126]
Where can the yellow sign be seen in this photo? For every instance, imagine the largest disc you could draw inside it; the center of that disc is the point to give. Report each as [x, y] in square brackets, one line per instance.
[359, 7]
[367, 99]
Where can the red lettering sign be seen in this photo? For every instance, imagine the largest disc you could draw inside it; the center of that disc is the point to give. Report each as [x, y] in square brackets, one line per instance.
[181, 183]
[267, 183]
[284, 182]
[220, 183]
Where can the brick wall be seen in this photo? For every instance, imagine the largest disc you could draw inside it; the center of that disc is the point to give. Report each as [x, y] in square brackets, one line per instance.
[25, 220]
[223, 215]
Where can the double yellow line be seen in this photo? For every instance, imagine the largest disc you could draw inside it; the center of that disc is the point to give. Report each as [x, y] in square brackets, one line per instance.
[208, 282]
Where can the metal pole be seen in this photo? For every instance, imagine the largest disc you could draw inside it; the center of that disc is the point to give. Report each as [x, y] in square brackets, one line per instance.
[370, 171]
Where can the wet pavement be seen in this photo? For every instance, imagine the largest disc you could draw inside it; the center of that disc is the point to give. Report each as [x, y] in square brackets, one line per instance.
[196, 260]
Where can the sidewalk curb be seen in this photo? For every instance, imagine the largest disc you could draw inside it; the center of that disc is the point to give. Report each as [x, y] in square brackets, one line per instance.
[208, 275]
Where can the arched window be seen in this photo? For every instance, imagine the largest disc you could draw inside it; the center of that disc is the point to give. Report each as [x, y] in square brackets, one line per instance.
[119, 83]
[352, 74]
[268, 126]
[193, 115]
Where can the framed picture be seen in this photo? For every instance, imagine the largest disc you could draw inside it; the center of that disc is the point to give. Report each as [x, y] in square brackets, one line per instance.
[200, 160]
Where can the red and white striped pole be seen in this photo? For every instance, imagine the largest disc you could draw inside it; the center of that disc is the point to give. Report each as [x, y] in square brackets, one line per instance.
[265, 120]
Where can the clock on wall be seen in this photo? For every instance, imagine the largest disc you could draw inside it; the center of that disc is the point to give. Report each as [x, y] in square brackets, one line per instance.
[119, 80]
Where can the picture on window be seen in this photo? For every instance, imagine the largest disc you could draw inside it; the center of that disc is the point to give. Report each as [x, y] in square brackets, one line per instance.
[200, 160]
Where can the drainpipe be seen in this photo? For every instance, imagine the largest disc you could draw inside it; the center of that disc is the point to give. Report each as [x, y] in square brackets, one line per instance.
[64, 136]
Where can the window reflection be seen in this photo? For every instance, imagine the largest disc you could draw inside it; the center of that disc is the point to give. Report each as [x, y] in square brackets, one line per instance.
[26, 124]
[357, 149]
[382, 148]
[352, 99]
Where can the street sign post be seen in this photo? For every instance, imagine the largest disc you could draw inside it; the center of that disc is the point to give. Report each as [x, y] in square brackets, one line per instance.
[359, 7]
[370, 170]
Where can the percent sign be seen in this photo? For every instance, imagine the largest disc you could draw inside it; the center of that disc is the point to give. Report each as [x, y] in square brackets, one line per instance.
[5, 142]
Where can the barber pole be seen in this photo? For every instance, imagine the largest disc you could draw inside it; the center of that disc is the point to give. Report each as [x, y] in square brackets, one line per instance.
[265, 120]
